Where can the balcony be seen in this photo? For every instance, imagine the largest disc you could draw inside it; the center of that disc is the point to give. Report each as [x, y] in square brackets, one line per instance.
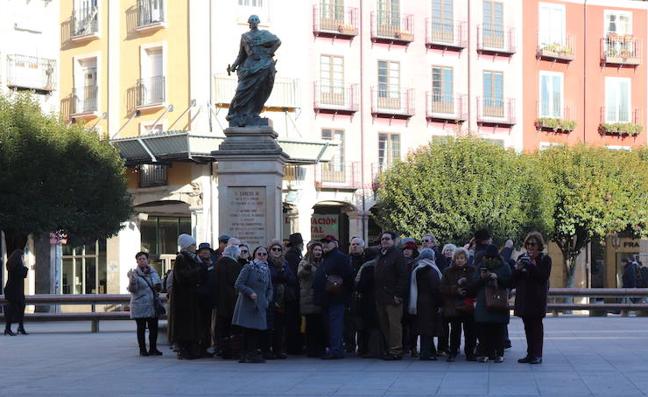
[150, 14]
[621, 50]
[338, 176]
[85, 24]
[151, 175]
[336, 100]
[84, 101]
[151, 92]
[392, 104]
[496, 40]
[616, 122]
[284, 97]
[27, 72]
[496, 111]
[446, 108]
[294, 176]
[330, 20]
[562, 124]
[389, 29]
[446, 35]
[559, 52]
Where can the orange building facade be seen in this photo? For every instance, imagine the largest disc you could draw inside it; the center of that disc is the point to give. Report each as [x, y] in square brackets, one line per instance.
[584, 73]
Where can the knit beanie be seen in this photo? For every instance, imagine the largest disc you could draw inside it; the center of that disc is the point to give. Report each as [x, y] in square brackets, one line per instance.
[185, 240]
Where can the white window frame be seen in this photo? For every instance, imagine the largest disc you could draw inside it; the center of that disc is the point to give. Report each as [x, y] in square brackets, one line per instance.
[76, 6]
[607, 13]
[561, 112]
[389, 159]
[391, 92]
[142, 64]
[76, 70]
[609, 83]
[617, 147]
[336, 164]
[149, 123]
[541, 23]
[244, 12]
[549, 145]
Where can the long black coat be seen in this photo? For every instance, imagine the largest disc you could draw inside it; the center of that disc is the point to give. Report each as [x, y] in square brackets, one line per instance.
[334, 263]
[227, 271]
[14, 290]
[531, 287]
[187, 321]
[366, 295]
[390, 277]
[428, 301]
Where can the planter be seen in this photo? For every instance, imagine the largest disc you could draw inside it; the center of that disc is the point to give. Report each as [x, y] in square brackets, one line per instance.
[405, 36]
[555, 125]
[348, 30]
[620, 129]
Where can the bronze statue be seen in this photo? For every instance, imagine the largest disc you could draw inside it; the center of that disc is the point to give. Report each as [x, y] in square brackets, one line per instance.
[256, 71]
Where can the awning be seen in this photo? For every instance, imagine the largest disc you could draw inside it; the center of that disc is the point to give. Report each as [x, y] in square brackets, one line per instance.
[181, 145]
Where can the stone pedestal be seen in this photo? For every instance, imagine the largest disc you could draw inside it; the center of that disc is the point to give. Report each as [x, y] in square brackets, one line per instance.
[250, 173]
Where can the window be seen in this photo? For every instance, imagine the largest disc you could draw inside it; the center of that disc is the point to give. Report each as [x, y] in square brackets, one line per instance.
[253, 7]
[151, 87]
[85, 85]
[617, 100]
[331, 13]
[159, 237]
[493, 94]
[389, 84]
[442, 87]
[493, 26]
[151, 175]
[332, 79]
[551, 95]
[618, 22]
[84, 269]
[388, 149]
[333, 171]
[442, 21]
[551, 24]
[388, 17]
[251, 3]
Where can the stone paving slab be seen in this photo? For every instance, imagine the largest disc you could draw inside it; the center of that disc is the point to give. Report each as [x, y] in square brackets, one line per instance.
[583, 357]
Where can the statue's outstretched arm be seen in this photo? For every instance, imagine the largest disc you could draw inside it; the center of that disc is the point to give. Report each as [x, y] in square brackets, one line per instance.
[239, 59]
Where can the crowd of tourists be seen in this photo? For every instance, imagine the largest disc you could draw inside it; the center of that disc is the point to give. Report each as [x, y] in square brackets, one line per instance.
[398, 298]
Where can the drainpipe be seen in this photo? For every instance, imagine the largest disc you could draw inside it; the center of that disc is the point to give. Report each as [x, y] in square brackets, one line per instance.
[211, 72]
[362, 126]
[469, 28]
[585, 72]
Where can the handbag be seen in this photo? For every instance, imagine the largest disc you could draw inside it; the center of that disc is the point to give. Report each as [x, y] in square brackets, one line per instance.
[333, 284]
[496, 298]
[157, 302]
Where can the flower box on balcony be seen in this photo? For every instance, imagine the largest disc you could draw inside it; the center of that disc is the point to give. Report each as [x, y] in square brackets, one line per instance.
[556, 51]
[555, 124]
[620, 129]
[348, 30]
[405, 36]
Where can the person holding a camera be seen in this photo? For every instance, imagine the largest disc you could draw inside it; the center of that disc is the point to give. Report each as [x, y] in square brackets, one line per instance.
[489, 286]
[531, 281]
[145, 305]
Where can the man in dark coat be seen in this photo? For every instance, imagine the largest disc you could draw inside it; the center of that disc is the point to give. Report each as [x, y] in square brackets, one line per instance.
[370, 340]
[390, 279]
[227, 271]
[294, 339]
[206, 295]
[356, 260]
[187, 321]
[443, 341]
[333, 299]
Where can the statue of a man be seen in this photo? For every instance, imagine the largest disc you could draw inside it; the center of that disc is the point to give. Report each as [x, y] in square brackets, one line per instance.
[256, 71]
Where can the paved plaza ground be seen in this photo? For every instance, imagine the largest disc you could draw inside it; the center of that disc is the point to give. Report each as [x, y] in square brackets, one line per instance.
[583, 356]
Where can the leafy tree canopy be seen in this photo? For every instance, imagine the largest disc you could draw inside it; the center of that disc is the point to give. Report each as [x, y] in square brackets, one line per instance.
[55, 177]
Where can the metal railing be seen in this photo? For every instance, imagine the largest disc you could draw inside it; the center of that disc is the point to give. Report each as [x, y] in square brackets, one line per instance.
[613, 115]
[294, 175]
[150, 12]
[335, 20]
[620, 50]
[562, 51]
[392, 102]
[85, 99]
[341, 176]
[151, 175]
[151, 91]
[496, 110]
[387, 26]
[343, 97]
[496, 39]
[24, 71]
[285, 94]
[85, 21]
[445, 33]
[446, 107]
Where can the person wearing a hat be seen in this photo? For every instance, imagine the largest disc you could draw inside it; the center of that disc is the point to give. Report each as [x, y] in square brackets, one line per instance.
[492, 272]
[187, 322]
[294, 339]
[223, 240]
[390, 283]
[410, 337]
[228, 269]
[333, 284]
[207, 295]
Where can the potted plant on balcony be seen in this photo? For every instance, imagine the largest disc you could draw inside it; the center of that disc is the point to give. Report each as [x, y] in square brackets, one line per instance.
[612, 36]
[555, 124]
[347, 29]
[620, 129]
[405, 36]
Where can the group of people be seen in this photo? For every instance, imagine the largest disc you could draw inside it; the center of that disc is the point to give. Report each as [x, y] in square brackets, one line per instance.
[399, 297]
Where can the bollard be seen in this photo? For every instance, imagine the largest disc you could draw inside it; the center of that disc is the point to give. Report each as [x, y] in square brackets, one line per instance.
[94, 324]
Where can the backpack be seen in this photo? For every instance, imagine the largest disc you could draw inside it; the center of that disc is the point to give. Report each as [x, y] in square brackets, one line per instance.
[642, 276]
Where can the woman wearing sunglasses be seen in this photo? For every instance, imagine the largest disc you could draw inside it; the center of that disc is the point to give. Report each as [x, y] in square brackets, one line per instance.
[255, 293]
[531, 282]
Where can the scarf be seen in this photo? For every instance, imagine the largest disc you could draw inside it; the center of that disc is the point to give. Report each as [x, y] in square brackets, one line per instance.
[413, 287]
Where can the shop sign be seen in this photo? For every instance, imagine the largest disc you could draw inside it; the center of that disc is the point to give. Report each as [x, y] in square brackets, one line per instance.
[323, 225]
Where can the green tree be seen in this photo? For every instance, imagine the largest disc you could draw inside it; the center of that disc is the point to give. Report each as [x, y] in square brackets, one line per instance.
[55, 177]
[455, 188]
[597, 192]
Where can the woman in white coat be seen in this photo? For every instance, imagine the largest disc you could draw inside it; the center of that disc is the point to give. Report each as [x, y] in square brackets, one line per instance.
[144, 285]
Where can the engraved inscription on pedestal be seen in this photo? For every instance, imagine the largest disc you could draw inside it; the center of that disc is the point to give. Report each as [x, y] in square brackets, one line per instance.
[247, 214]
